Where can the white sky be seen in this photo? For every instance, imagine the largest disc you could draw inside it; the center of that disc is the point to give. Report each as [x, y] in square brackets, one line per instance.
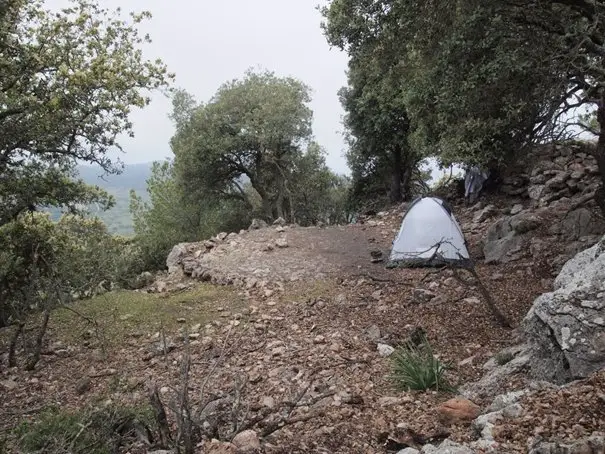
[209, 42]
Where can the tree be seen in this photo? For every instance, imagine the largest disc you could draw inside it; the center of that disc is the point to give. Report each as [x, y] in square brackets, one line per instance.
[68, 82]
[574, 33]
[46, 264]
[169, 217]
[252, 128]
[318, 194]
[475, 90]
[377, 119]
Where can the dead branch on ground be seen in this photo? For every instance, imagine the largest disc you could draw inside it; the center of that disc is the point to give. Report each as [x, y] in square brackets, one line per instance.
[502, 319]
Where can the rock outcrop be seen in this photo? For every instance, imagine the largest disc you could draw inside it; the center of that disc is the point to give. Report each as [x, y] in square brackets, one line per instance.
[566, 327]
[553, 189]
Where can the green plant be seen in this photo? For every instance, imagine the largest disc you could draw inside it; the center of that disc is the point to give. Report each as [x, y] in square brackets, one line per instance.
[415, 367]
[503, 357]
[93, 430]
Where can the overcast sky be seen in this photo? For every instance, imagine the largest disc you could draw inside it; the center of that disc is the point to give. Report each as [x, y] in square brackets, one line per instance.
[206, 43]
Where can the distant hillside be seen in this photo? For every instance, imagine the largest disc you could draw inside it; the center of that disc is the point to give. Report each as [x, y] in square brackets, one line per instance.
[134, 176]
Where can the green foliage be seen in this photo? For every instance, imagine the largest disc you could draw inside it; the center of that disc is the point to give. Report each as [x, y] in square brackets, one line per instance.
[94, 430]
[253, 131]
[377, 120]
[170, 217]
[317, 194]
[479, 81]
[415, 367]
[68, 82]
[503, 357]
[44, 264]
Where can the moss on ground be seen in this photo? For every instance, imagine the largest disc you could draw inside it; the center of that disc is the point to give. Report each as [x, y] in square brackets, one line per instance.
[124, 313]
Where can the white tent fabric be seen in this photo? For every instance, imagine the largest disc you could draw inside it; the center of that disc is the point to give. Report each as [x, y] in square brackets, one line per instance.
[429, 235]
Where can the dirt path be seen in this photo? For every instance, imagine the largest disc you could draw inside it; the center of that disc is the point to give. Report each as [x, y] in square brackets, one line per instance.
[288, 254]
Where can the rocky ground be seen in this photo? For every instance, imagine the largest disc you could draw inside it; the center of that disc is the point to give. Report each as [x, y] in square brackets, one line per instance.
[304, 363]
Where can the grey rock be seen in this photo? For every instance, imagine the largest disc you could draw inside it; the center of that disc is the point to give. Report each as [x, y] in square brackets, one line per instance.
[174, 259]
[538, 179]
[421, 295]
[486, 213]
[525, 222]
[385, 350]
[593, 444]
[143, 280]
[504, 400]
[373, 333]
[280, 221]
[558, 181]
[492, 382]
[535, 191]
[447, 447]
[501, 242]
[566, 339]
[505, 239]
[257, 224]
[408, 451]
[516, 209]
[581, 222]
[281, 243]
[247, 442]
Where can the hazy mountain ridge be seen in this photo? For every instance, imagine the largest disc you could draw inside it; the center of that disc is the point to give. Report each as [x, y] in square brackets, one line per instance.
[134, 176]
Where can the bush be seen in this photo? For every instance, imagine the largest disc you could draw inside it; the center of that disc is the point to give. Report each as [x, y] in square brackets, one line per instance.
[45, 263]
[91, 431]
[414, 367]
[503, 357]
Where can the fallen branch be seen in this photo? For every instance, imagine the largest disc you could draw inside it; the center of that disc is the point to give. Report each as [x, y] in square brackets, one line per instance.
[160, 416]
[280, 424]
[502, 320]
[380, 279]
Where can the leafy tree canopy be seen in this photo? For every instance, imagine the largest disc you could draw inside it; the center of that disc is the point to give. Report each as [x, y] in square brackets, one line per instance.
[474, 89]
[252, 128]
[68, 82]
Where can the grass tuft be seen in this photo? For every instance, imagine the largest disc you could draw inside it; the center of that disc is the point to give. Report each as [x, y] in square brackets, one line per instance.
[415, 367]
[503, 357]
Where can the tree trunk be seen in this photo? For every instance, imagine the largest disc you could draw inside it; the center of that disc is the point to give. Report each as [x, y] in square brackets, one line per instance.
[12, 349]
[31, 364]
[280, 204]
[265, 198]
[600, 155]
[406, 181]
[396, 172]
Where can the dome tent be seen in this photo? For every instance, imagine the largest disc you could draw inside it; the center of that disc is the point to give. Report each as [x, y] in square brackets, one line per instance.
[429, 236]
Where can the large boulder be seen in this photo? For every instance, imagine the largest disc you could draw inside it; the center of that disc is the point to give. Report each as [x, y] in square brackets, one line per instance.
[581, 222]
[257, 224]
[506, 239]
[175, 258]
[566, 328]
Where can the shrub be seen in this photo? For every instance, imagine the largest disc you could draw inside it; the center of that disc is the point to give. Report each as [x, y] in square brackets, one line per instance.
[414, 367]
[90, 431]
[503, 357]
